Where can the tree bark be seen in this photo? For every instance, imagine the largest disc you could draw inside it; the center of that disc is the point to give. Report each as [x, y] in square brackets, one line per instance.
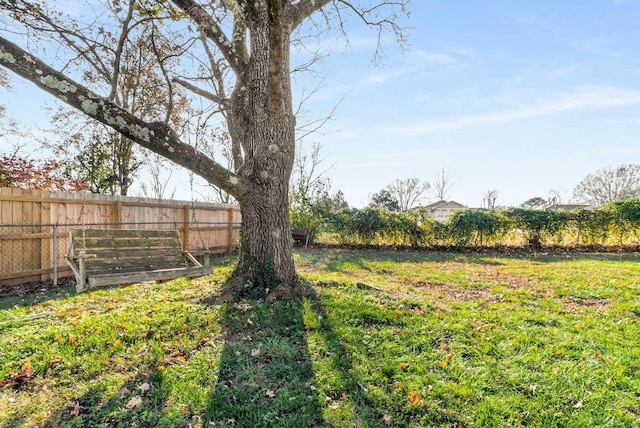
[263, 123]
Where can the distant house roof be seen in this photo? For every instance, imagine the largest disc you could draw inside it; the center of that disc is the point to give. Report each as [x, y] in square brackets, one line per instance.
[442, 204]
[568, 207]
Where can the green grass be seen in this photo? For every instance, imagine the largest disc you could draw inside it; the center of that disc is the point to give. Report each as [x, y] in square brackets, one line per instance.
[384, 339]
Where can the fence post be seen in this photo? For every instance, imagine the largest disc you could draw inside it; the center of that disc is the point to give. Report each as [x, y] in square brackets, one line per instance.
[117, 214]
[54, 254]
[186, 228]
[229, 230]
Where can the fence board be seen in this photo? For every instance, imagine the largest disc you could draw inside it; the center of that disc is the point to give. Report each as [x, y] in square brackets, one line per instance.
[27, 218]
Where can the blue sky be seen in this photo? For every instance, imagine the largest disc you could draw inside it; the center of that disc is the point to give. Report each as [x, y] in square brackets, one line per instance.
[518, 96]
[514, 95]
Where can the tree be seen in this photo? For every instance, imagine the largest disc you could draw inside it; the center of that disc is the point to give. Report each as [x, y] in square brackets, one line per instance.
[384, 200]
[441, 185]
[308, 181]
[609, 185]
[242, 53]
[554, 197]
[534, 203]
[489, 199]
[16, 171]
[337, 202]
[158, 179]
[309, 200]
[409, 192]
[401, 195]
[97, 153]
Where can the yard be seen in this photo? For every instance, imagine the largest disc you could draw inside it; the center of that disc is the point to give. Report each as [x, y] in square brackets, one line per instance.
[385, 338]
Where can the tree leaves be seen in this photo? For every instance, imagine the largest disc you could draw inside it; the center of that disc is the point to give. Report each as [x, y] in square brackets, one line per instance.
[16, 171]
[76, 410]
[415, 397]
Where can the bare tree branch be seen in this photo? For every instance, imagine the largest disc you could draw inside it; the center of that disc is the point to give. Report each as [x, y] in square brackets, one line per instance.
[156, 137]
[441, 185]
[214, 32]
[205, 94]
[295, 14]
[609, 184]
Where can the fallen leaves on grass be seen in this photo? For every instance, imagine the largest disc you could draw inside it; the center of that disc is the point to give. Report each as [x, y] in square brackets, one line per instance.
[415, 397]
[55, 360]
[134, 402]
[76, 410]
[244, 307]
[123, 392]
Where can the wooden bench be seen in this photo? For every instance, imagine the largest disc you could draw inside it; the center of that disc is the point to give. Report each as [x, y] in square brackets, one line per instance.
[100, 257]
[301, 235]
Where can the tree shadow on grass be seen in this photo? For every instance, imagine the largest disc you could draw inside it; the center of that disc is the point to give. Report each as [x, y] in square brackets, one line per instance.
[140, 401]
[345, 392]
[265, 376]
[34, 297]
[347, 386]
[158, 374]
[261, 374]
[257, 374]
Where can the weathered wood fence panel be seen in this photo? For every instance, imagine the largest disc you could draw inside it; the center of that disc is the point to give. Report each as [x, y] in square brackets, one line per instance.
[35, 225]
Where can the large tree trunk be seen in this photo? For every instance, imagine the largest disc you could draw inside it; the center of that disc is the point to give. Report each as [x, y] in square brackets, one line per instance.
[266, 266]
[262, 124]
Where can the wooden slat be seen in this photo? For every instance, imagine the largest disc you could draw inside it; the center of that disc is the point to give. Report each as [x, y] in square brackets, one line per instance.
[116, 233]
[113, 253]
[94, 265]
[130, 278]
[88, 244]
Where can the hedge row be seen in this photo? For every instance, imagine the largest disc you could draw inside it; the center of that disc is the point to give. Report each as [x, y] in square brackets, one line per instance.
[617, 223]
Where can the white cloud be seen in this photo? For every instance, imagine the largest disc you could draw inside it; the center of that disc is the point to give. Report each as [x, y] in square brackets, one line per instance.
[583, 98]
[415, 61]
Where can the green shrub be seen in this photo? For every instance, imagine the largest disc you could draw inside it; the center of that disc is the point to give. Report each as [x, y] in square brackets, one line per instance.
[476, 226]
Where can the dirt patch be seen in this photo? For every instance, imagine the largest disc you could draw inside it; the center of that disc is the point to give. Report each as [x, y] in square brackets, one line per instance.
[597, 303]
[496, 276]
[458, 293]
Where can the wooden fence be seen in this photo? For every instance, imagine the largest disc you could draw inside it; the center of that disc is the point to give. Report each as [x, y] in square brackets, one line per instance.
[35, 225]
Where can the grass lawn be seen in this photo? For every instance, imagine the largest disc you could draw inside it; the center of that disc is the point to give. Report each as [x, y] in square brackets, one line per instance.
[384, 339]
